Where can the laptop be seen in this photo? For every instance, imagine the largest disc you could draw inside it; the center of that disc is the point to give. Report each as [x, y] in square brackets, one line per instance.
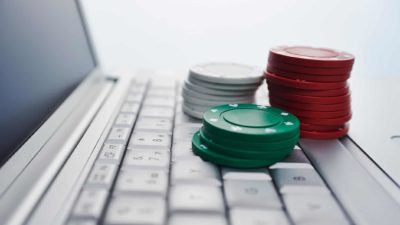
[81, 147]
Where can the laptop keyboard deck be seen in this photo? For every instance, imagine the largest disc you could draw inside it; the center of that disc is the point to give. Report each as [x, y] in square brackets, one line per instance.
[147, 174]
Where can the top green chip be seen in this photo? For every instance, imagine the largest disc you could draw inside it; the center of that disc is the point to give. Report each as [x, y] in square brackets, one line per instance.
[250, 122]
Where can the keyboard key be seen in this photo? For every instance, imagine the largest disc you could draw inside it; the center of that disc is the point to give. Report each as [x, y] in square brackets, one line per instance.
[186, 131]
[160, 101]
[314, 209]
[136, 210]
[130, 107]
[157, 92]
[90, 204]
[196, 219]
[296, 159]
[163, 84]
[258, 217]
[150, 140]
[125, 119]
[119, 134]
[182, 150]
[157, 159]
[134, 97]
[111, 153]
[298, 181]
[196, 198]
[250, 193]
[154, 124]
[142, 181]
[195, 171]
[158, 112]
[245, 174]
[82, 222]
[102, 175]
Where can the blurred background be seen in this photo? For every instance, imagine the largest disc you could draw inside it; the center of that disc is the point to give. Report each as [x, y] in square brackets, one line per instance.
[170, 34]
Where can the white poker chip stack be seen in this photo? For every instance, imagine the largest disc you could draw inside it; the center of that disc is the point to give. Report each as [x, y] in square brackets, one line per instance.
[214, 84]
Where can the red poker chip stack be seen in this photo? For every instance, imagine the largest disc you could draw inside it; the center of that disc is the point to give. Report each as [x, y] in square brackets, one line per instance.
[312, 84]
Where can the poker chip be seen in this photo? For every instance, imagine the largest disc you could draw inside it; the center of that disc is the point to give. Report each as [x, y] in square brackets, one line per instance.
[246, 135]
[316, 93]
[227, 73]
[314, 99]
[310, 106]
[315, 114]
[244, 122]
[313, 127]
[224, 87]
[208, 91]
[308, 77]
[206, 153]
[309, 70]
[244, 153]
[311, 83]
[255, 146]
[303, 84]
[193, 112]
[325, 134]
[311, 56]
[213, 101]
[214, 84]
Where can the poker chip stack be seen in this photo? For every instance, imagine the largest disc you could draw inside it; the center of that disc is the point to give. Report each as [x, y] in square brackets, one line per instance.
[213, 84]
[312, 84]
[246, 135]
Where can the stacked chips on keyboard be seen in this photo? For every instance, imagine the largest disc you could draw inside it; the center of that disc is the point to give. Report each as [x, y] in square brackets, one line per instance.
[246, 135]
[219, 83]
[312, 84]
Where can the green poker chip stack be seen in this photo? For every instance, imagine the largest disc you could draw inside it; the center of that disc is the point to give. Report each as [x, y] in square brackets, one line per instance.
[246, 135]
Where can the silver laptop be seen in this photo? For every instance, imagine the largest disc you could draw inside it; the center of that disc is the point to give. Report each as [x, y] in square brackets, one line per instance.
[80, 147]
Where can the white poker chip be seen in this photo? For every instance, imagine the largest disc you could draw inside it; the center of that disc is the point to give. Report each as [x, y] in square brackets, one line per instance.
[227, 73]
[192, 112]
[208, 103]
[196, 107]
[188, 92]
[209, 91]
[224, 87]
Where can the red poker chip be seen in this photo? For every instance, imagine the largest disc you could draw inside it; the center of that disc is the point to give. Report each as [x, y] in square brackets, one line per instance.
[314, 114]
[308, 77]
[301, 84]
[301, 92]
[325, 134]
[310, 56]
[329, 121]
[309, 106]
[309, 70]
[325, 128]
[312, 99]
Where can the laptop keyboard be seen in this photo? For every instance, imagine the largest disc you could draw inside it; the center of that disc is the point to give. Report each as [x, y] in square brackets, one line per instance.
[146, 174]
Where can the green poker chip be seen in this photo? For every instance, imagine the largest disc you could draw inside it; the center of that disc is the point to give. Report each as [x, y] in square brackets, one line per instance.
[208, 154]
[254, 146]
[246, 153]
[250, 122]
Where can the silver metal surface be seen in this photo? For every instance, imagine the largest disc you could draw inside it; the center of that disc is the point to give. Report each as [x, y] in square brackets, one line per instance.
[376, 110]
[55, 205]
[142, 181]
[196, 219]
[50, 150]
[252, 194]
[361, 195]
[248, 216]
[196, 198]
[149, 210]
[314, 210]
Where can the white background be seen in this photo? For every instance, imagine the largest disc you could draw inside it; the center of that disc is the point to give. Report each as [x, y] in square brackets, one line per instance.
[170, 34]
